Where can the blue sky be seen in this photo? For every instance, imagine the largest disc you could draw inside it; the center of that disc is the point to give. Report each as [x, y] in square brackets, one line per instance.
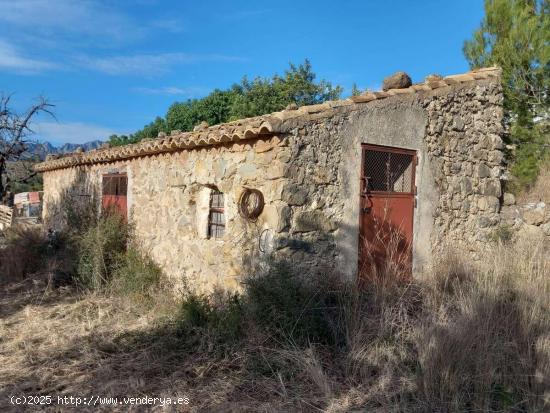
[112, 66]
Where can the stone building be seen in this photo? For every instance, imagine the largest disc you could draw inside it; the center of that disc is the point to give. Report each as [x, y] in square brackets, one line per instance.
[326, 186]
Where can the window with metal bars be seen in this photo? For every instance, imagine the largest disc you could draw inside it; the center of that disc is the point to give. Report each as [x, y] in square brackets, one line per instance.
[216, 217]
[388, 171]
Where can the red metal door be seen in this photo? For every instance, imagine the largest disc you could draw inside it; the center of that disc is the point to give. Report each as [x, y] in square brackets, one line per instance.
[387, 201]
[115, 194]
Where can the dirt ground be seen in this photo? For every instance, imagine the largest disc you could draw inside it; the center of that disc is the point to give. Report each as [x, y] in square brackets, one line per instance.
[60, 343]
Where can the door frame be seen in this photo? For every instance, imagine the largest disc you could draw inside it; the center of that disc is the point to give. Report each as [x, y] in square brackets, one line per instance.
[363, 191]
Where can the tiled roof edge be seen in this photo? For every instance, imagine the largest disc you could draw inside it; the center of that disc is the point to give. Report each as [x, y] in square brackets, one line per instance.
[250, 128]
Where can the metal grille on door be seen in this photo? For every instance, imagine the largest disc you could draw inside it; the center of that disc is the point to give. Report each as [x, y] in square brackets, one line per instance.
[388, 171]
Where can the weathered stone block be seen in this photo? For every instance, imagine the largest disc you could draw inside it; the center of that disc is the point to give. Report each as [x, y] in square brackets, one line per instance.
[458, 124]
[534, 214]
[398, 80]
[263, 146]
[456, 203]
[456, 167]
[483, 222]
[296, 173]
[219, 168]
[488, 203]
[294, 194]
[466, 185]
[285, 215]
[248, 170]
[276, 170]
[509, 199]
[497, 142]
[491, 187]
[496, 157]
[483, 171]
[276, 217]
[316, 220]
[322, 175]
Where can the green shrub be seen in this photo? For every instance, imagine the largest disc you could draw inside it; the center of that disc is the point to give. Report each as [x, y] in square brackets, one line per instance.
[283, 303]
[195, 311]
[228, 316]
[24, 253]
[503, 233]
[135, 272]
[219, 315]
[275, 300]
[99, 249]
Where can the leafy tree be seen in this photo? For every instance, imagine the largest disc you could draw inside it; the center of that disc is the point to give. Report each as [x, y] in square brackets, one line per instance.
[149, 131]
[247, 99]
[15, 135]
[515, 36]
[298, 86]
[214, 108]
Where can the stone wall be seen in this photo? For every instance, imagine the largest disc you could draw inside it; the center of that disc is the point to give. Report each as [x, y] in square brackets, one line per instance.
[306, 162]
[168, 204]
[457, 136]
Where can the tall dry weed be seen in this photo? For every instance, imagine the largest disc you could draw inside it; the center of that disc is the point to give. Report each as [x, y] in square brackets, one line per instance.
[471, 336]
[483, 345]
[540, 191]
[24, 253]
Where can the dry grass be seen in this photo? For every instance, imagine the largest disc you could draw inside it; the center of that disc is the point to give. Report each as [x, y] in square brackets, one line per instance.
[61, 342]
[485, 346]
[470, 338]
[540, 190]
[23, 254]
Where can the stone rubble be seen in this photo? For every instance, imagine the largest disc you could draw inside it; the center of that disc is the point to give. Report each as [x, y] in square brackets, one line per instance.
[532, 217]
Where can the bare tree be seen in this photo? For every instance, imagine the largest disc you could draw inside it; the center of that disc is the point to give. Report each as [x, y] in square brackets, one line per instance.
[15, 132]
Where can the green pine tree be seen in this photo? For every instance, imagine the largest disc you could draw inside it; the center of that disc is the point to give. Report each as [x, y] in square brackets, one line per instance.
[515, 35]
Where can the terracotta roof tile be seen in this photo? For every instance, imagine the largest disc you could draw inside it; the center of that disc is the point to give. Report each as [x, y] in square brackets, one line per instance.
[244, 129]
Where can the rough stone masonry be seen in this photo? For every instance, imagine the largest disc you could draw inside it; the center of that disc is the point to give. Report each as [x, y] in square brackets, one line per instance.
[306, 163]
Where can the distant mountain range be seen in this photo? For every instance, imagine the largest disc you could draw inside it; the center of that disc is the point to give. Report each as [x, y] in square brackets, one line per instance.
[46, 148]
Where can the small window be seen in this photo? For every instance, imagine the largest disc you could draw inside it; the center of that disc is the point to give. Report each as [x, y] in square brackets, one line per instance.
[216, 217]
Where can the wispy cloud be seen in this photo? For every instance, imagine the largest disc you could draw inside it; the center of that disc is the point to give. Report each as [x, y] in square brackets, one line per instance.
[92, 22]
[78, 34]
[71, 132]
[147, 64]
[171, 90]
[12, 59]
[85, 17]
